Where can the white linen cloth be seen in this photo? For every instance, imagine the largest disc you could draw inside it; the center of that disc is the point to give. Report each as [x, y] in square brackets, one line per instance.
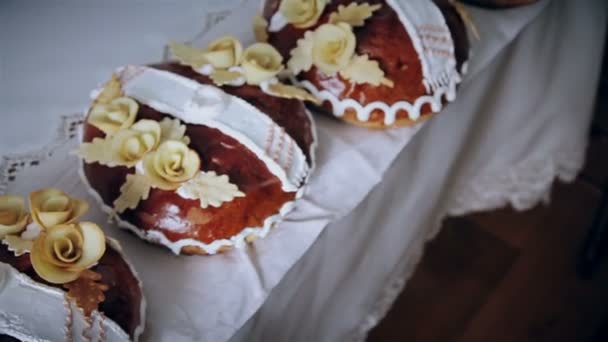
[520, 120]
[510, 120]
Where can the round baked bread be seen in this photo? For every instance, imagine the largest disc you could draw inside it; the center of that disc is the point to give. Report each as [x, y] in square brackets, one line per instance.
[399, 35]
[259, 144]
[120, 317]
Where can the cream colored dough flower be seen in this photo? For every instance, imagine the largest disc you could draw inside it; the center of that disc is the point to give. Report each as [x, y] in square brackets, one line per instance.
[51, 207]
[261, 62]
[170, 165]
[61, 253]
[224, 52]
[333, 47]
[129, 146]
[13, 216]
[302, 13]
[115, 115]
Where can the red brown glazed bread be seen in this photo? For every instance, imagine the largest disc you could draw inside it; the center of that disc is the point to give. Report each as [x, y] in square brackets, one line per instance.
[259, 195]
[123, 299]
[383, 38]
[60, 277]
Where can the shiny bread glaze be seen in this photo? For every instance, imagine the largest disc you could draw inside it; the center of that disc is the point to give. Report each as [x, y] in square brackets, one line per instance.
[123, 298]
[385, 40]
[178, 218]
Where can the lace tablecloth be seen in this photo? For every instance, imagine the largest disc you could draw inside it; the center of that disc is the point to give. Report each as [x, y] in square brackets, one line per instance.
[504, 140]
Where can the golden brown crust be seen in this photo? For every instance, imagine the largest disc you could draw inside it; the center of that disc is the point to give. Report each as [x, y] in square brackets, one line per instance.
[381, 33]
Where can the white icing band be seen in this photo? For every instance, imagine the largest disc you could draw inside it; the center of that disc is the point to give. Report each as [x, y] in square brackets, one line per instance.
[431, 38]
[38, 312]
[155, 236]
[208, 105]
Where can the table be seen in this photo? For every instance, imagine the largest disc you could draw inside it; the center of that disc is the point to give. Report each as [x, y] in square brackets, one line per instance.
[501, 142]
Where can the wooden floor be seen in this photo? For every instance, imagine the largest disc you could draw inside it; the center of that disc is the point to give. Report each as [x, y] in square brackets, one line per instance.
[511, 276]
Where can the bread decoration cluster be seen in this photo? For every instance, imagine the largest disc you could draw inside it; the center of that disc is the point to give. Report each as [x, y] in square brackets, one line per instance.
[329, 47]
[158, 150]
[375, 63]
[61, 248]
[226, 63]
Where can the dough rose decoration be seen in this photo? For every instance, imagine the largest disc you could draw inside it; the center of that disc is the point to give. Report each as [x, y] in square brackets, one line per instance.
[13, 216]
[112, 116]
[224, 52]
[172, 164]
[261, 62]
[112, 111]
[301, 13]
[62, 252]
[51, 207]
[61, 249]
[331, 47]
[157, 151]
[257, 65]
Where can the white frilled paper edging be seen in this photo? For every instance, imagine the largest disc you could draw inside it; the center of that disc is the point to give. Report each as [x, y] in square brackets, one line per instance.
[42, 313]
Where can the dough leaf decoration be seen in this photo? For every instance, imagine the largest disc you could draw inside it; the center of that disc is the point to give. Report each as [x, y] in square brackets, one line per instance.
[353, 14]
[222, 77]
[87, 291]
[96, 151]
[361, 70]
[17, 244]
[173, 129]
[291, 92]
[301, 55]
[135, 189]
[210, 189]
[111, 90]
[188, 55]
